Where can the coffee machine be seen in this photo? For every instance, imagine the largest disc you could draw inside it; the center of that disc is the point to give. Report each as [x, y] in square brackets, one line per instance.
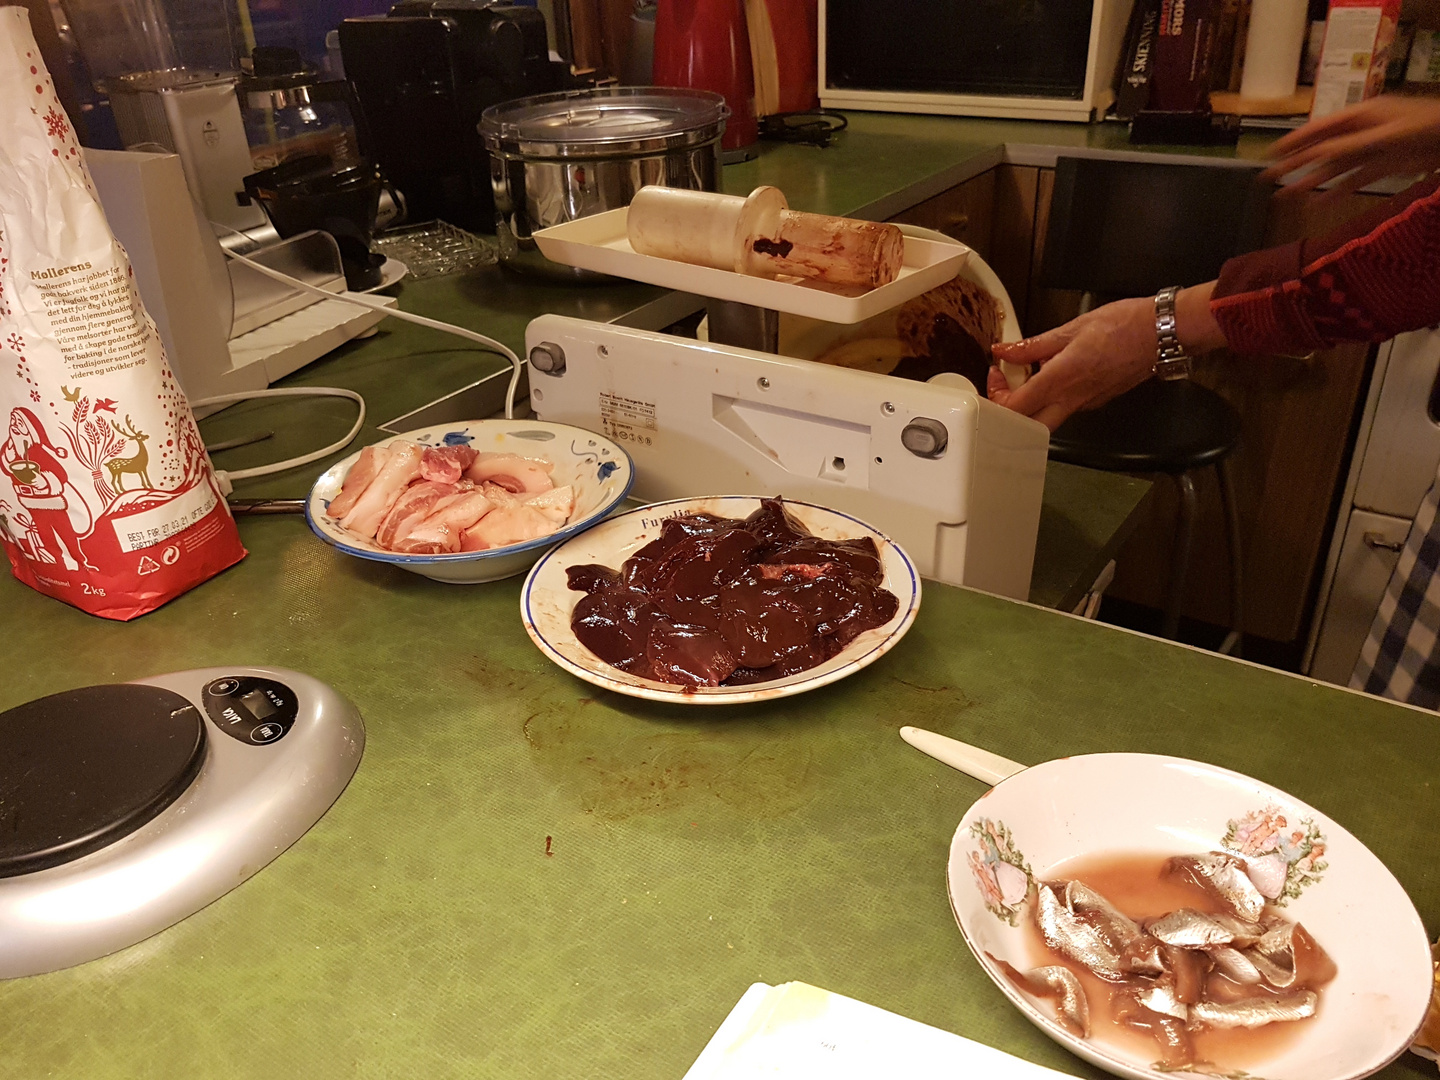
[423, 74]
[170, 68]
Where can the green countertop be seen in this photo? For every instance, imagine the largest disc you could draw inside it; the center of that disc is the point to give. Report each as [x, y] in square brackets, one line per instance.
[424, 928]
[421, 929]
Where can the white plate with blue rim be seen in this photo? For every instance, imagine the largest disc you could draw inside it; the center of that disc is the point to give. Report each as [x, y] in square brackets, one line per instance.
[546, 602]
[599, 470]
[1046, 823]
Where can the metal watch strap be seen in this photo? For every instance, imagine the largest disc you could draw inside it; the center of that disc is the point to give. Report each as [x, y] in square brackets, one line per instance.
[1171, 362]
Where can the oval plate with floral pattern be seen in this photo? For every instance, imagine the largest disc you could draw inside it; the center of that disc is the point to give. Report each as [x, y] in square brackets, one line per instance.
[1030, 825]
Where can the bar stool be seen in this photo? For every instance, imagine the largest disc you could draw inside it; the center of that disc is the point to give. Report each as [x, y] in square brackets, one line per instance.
[1124, 228]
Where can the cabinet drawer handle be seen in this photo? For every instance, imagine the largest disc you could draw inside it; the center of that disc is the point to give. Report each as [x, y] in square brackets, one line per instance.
[1377, 541]
[956, 221]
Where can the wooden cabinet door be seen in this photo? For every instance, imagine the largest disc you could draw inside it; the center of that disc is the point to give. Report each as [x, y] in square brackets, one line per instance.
[993, 214]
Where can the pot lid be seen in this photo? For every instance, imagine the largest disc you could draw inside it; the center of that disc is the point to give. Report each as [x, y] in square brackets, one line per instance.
[611, 117]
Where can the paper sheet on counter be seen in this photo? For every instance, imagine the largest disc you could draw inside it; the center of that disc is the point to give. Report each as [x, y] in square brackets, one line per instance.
[802, 1032]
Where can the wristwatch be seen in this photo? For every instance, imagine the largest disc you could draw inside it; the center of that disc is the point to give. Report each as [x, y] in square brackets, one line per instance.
[1171, 362]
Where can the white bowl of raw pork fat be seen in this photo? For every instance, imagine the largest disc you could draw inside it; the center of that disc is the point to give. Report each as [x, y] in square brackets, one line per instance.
[597, 472]
[1172, 891]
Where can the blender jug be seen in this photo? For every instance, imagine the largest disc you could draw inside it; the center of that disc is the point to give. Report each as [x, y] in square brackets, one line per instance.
[169, 68]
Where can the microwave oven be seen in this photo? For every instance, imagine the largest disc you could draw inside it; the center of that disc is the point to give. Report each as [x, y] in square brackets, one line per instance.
[1033, 59]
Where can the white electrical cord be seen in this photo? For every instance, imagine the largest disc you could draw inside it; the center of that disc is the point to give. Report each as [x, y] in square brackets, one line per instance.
[225, 478]
[385, 309]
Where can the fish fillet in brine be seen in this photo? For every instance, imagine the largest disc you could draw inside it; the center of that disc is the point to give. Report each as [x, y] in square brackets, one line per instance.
[1224, 877]
[1069, 936]
[1059, 984]
[1255, 1012]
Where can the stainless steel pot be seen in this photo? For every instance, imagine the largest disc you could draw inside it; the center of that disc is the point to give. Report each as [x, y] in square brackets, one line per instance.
[558, 157]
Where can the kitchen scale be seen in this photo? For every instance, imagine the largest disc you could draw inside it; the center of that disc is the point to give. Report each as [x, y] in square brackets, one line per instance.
[125, 808]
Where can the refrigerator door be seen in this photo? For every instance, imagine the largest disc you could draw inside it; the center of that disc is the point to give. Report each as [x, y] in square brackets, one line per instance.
[1404, 448]
[1368, 555]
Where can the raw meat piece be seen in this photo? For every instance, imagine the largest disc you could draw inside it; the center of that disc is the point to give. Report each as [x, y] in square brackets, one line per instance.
[686, 654]
[506, 525]
[372, 459]
[446, 464]
[440, 532]
[557, 504]
[498, 495]
[410, 509]
[429, 538]
[370, 509]
[613, 623]
[512, 472]
[719, 600]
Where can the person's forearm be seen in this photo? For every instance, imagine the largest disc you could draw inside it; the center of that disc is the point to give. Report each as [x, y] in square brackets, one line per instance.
[1195, 326]
[1365, 281]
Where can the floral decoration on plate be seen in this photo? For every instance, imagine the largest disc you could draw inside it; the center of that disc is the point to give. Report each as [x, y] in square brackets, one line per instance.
[1001, 873]
[1282, 860]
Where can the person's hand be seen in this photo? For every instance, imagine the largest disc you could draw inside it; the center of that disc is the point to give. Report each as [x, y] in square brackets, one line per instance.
[1083, 364]
[1384, 136]
[1098, 356]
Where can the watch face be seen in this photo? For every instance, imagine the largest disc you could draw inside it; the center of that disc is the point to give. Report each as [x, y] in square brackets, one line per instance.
[1170, 368]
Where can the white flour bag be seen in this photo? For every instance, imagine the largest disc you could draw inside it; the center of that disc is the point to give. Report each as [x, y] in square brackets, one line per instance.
[107, 499]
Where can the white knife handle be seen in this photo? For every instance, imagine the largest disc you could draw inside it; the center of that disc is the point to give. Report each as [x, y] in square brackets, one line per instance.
[984, 766]
[1016, 376]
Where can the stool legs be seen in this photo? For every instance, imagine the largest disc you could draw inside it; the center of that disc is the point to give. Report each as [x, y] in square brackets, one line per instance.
[1231, 644]
[1184, 540]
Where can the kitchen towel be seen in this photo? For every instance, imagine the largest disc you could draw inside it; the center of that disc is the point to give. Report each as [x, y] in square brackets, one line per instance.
[1272, 48]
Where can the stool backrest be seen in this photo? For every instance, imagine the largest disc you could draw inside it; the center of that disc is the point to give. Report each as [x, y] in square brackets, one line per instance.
[1126, 228]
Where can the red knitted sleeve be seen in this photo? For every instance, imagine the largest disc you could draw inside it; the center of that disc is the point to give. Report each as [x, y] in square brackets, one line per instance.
[1375, 277]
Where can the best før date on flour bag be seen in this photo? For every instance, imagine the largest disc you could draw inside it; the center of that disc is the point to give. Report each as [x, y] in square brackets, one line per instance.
[107, 498]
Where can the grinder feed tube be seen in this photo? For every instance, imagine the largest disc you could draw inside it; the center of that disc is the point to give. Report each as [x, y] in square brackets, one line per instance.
[762, 237]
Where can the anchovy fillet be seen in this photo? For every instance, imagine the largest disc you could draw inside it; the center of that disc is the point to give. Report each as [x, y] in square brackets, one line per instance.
[1224, 876]
[1114, 925]
[1190, 929]
[1245, 933]
[1278, 943]
[1277, 976]
[1162, 999]
[1254, 1012]
[1143, 958]
[1057, 983]
[1071, 937]
[1235, 965]
[1061, 984]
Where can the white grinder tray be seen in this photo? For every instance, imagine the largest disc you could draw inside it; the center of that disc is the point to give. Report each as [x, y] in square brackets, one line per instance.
[600, 243]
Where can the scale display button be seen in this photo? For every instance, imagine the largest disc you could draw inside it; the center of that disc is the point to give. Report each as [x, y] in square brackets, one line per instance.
[251, 710]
